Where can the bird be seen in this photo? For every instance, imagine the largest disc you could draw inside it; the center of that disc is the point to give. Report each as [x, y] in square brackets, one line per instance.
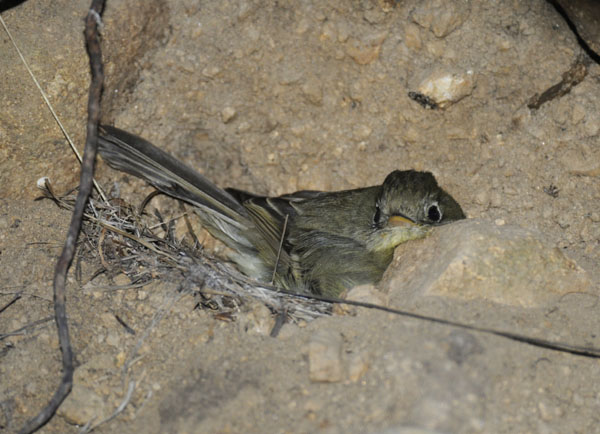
[308, 242]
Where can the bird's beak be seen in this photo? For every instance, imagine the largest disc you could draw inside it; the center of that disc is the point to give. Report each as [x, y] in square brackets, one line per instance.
[400, 220]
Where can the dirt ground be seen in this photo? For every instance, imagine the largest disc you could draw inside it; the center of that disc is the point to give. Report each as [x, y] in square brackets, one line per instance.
[288, 96]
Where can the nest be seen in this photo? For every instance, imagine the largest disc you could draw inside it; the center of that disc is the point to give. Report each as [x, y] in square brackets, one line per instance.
[144, 248]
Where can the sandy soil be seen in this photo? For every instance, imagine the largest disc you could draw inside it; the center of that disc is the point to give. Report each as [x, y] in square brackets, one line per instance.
[273, 99]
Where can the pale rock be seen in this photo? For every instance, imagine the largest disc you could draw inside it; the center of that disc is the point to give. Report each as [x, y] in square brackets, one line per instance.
[357, 90]
[504, 44]
[113, 339]
[289, 74]
[365, 51]
[412, 37]
[476, 259]
[303, 26]
[328, 31]
[246, 8]
[580, 162]
[496, 199]
[243, 127]
[441, 17]
[325, 356]
[257, 319]
[82, 405]
[227, 114]
[482, 197]
[313, 91]
[121, 279]
[446, 88]
[211, 71]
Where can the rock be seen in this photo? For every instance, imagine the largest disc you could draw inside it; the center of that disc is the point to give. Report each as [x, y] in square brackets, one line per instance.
[211, 71]
[113, 339]
[580, 162]
[81, 406]
[227, 114]
[325, 356]
[475, 259]
[446, 88]
[313, 91]
[366, 51]
[121, 279]
[257, 319]
[412, 37]
[441, 17]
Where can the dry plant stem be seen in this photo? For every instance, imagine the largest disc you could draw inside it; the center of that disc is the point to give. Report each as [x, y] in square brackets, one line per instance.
[577, 350]
[280, 247]
[10, 303]
[119, 410]
[47, 101]
[85, 187]
[25, 328]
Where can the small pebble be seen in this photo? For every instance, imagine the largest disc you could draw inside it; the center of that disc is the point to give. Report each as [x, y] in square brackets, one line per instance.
[227, 114]
[211, 71]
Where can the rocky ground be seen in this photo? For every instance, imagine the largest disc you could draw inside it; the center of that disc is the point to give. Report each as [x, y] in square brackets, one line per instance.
[315, 95]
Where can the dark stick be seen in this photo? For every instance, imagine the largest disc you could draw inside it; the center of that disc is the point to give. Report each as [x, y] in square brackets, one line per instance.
[10, 303]
[85, 186]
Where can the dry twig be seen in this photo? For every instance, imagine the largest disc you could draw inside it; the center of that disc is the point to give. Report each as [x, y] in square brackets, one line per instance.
[85, 186]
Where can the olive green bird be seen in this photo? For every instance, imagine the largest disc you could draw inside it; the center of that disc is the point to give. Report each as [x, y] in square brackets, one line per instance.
[320, 242]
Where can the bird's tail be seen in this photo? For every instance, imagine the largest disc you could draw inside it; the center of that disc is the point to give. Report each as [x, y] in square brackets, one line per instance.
[223, 215]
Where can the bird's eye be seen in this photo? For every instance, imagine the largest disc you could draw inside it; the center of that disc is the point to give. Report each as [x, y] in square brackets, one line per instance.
[434, 213]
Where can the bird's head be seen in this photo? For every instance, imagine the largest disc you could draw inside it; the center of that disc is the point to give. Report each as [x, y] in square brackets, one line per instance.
[414, 198]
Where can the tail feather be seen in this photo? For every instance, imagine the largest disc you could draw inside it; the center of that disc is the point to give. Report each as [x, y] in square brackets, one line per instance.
[134, 155]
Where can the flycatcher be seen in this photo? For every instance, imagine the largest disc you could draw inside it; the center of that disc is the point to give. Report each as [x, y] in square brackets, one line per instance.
[319, 242]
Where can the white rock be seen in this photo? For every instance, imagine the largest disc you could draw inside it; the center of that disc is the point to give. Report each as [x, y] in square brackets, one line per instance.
[227, 114]
[446, 88]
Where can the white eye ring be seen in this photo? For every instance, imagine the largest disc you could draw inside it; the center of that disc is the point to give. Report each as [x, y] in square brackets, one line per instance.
[433, 212]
